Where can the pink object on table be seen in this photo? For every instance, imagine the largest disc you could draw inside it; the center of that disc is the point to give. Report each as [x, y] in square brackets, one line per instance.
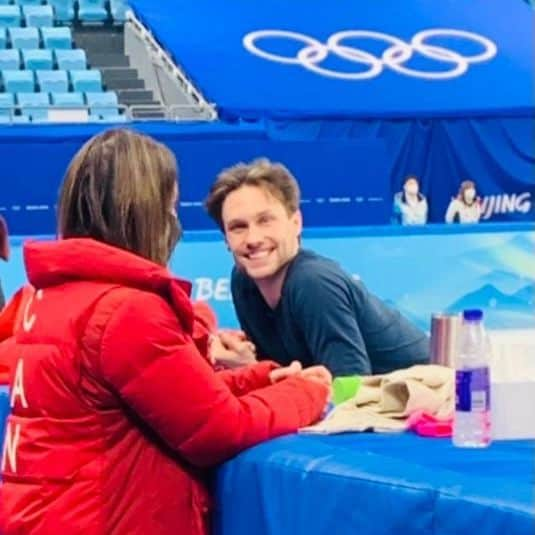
[427, 425]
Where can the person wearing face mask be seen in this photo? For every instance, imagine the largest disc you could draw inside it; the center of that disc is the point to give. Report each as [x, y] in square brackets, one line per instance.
[410, 206]
[466, 207]
[116, 413]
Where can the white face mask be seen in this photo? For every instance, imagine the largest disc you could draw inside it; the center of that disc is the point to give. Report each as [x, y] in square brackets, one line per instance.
[411, 189]
[469, 194]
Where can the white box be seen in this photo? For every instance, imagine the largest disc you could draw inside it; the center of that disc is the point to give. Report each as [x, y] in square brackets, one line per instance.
[513, 384]
[513, 410]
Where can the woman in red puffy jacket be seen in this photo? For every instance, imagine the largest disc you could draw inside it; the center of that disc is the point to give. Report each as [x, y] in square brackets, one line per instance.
[116, 411]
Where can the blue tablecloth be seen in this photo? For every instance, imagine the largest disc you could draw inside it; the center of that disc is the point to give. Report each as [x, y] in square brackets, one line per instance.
[370, 484]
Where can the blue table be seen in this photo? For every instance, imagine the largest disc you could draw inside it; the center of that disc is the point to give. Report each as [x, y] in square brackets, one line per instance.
[369, 484]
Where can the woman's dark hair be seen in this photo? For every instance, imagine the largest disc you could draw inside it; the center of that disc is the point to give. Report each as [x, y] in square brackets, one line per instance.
[119, 189]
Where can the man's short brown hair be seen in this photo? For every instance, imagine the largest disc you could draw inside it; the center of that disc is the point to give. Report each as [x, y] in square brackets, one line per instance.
[262, 173]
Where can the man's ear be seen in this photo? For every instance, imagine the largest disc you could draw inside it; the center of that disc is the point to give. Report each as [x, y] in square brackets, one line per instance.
[297, 219]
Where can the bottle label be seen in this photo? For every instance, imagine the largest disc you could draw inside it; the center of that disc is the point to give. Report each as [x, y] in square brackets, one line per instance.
[472, 392]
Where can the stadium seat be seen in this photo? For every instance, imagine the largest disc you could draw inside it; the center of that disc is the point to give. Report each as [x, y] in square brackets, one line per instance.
[28, 2]
[34, 105]
[68, 108]
[118, 10]
[92, 11]
[102, 104]
[14, 119]
[55, 38]
[86, 81]
[37, 15]
[3, 38]
[71, 59]
[9, 59]
[10, 16]
[37, 59]
[63, 10]
[18, 81]
[113, 119]
[52, 81]
[7, 101]
[68, 100]
[24, 37]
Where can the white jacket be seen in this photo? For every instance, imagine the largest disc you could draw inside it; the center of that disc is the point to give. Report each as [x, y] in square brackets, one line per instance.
[462, 212]
[410, 213]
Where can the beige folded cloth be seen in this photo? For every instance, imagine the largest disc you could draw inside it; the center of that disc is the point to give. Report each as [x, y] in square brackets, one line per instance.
[384, 402]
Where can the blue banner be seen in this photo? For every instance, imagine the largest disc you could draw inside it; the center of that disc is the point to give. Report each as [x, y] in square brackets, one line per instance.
[348, 170]
[339, 59]
[419, 271]
[343, 182]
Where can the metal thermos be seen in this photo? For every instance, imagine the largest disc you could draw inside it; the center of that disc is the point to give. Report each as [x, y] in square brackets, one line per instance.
[445, 329]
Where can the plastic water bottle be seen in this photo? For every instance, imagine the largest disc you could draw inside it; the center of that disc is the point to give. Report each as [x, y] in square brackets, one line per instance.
[472, 423]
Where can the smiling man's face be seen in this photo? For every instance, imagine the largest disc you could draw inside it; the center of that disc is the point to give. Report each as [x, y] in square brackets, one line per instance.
[261, 234]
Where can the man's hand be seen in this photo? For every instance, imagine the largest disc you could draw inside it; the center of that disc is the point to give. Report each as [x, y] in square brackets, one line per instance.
[232, 349]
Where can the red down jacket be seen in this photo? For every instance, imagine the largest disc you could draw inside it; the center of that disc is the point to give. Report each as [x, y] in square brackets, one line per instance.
[115, 412]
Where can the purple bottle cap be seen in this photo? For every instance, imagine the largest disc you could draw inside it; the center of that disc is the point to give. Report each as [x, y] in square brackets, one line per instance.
[473, 315]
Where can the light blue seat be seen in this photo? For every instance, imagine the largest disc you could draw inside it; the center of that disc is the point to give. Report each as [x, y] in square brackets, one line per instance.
[63, 10]
[16, 119]
[38, 16]
[118, 10]
[18, 81]
[67, 100]
[3, 38]
[7, 103]
[86, 81]
[34, 105]
[52, 81]
[27, 2]
[37, 59]
[10, 16]
[71, 59]
[92, 11]
[115, 118]
[9, 59]
[24, 37]
[102, 104]
[4, 2]
[54, 38]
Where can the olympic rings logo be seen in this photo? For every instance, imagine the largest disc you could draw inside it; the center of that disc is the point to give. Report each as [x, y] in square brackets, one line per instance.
[314, 52]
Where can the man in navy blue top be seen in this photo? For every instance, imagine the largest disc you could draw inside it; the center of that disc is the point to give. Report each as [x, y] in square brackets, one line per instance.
[292, 303]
